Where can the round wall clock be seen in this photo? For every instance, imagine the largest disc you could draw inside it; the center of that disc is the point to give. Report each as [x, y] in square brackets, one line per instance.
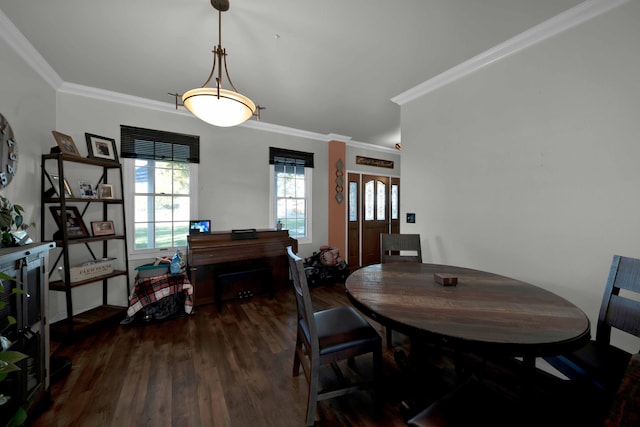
[8, 153]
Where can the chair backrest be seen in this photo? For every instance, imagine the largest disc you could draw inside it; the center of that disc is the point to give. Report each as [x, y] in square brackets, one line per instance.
[625, 408]
[303, 298]
[392, 244]
[620, 311]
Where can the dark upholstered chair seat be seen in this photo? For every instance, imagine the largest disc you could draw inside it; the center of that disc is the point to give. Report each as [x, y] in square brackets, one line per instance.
[603, 365]
[340, 328]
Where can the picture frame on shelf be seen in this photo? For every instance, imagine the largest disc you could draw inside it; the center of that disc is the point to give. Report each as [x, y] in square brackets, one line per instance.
[65, 143]
[55, 181]
[71, 219]
[101, 147]
[103, 228]
[86, 190]
[105, 191]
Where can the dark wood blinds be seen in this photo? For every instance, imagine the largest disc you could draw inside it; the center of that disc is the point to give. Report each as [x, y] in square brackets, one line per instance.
[139, 143]
[280, 156]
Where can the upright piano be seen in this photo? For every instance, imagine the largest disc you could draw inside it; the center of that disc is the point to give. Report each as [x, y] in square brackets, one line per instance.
[211, 256]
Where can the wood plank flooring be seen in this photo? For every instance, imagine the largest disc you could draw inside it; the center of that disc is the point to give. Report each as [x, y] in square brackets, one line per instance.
[219, 369]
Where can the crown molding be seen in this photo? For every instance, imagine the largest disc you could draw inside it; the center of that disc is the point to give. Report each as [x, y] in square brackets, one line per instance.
[283, 130]
[170, 107]
[22, 46]
[338, 137]
[549, 28]
[119, 98]
[373, 147]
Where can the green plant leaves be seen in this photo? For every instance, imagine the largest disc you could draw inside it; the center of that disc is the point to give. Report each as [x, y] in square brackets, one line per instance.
[19, 418]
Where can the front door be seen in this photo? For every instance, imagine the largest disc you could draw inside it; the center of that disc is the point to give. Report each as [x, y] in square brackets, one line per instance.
[353, 220]
[374, 204]
[375, 216]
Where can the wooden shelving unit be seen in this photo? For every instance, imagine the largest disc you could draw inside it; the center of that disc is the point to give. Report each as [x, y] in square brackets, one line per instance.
[55, 164]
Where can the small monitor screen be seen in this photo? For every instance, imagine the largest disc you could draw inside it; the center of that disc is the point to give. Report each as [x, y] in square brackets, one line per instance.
[200, 226]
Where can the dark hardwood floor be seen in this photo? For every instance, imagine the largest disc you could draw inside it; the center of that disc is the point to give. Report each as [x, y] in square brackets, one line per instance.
[234, 369]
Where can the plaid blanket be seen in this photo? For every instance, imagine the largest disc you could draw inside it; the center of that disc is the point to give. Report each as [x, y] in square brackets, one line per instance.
[152, 289]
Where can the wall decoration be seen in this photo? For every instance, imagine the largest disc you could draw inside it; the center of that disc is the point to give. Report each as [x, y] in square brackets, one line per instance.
[86, 190]
[374, 162]
[101, 147]
[103, 228]
[105, 191]
[71, 219]
[339, 181]
[55, 180]
[8, 153]
[65, 143]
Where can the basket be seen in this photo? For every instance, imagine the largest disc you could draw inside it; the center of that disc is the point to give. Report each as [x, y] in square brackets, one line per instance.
[151, 270]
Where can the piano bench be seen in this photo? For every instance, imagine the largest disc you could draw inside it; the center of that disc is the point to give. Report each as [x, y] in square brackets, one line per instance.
[228, 277]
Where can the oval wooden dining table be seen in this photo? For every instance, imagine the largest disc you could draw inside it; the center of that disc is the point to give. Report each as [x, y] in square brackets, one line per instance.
[483, 313]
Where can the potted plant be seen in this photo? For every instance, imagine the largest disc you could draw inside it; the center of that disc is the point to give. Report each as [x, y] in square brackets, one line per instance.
[11, 219]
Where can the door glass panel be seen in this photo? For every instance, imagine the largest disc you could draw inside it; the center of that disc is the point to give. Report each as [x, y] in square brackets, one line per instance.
[394, 201]
[369, 201]
[381, 202]
[353, 201]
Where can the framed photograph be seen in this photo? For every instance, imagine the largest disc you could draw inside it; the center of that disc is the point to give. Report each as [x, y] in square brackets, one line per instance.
[105, 191]
[101, 147]
[65, 142]
[55, 180]
[86, 190]
[71, 219]
[103, 228]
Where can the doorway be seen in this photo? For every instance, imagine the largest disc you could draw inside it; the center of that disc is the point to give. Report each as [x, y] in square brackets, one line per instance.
[374, 208]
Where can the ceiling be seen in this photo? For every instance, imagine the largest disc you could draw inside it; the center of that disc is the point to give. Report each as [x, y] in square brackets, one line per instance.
[328, 67]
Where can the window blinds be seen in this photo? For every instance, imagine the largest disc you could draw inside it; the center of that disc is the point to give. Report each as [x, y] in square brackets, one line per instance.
[139, 143]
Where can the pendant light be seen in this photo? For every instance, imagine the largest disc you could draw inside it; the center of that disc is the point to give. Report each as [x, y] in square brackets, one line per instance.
[215, 105]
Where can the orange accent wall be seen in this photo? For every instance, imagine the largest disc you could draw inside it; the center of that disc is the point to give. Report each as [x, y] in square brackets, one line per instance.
[337, 211]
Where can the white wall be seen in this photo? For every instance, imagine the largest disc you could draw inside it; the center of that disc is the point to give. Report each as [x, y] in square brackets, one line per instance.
[529, 167]
[28, 103]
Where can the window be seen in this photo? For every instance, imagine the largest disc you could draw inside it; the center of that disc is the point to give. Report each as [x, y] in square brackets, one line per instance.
[375, 201]
[395, 201]
[291, 177]
[353, 201]
[160, 172]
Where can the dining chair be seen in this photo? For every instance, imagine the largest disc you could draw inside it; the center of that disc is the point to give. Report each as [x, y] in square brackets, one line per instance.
[328, 337]
[394, 248]
[599, 363]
